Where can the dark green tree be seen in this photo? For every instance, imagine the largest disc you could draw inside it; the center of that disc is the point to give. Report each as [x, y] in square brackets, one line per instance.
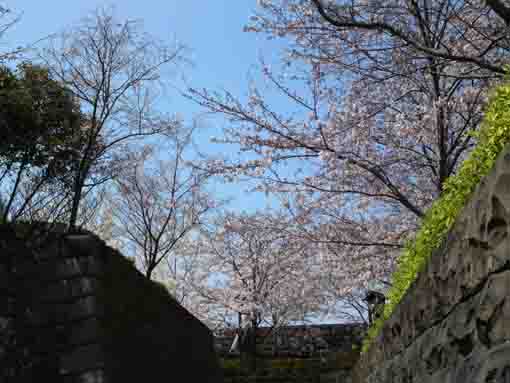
[41, 133]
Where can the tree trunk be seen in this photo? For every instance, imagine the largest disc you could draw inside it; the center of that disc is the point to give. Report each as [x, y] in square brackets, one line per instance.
[74, 208]
[248, 349]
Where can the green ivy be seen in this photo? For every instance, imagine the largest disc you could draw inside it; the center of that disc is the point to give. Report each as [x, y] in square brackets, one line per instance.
[493, 136]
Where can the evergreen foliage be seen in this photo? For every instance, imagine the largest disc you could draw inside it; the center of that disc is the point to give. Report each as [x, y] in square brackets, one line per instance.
[39, 119]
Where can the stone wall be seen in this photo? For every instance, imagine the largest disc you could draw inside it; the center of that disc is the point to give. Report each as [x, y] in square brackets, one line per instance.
[47, 311]
[453, 324]
[150, 336]
[75, 310]
[301, 341]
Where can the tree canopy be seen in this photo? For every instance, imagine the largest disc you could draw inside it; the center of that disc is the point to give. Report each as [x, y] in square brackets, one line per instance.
[39, 119]
[42, 131]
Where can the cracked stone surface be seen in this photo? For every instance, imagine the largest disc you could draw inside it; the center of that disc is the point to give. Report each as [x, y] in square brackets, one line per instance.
[453, 324]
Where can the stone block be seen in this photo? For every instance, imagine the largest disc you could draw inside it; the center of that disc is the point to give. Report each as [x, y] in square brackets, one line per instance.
[90, 313]
[453, 324]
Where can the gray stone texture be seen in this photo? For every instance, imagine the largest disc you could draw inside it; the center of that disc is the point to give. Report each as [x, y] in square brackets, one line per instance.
[74, 310]
[453, 324]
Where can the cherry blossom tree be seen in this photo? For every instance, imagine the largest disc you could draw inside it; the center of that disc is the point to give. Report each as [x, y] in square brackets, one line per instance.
[157, 205]
[7, 20]
[382, 96]
[258, 273]
[182, 274]
[113, 69]
[469, 32]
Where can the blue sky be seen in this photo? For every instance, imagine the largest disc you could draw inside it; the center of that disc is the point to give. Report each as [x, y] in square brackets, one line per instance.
[222, 55]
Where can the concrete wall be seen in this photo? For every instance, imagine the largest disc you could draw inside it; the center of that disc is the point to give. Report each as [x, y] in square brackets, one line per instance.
[75, 310]
[453, 325]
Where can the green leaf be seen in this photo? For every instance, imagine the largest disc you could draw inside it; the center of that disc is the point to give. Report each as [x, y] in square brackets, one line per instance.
[493, 136]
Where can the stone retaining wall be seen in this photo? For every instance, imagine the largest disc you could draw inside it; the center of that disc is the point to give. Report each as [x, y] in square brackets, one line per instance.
[300, 340]
[453, 324]
[74, 310]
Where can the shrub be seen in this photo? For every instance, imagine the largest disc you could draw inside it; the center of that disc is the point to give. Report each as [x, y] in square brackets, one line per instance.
[231, 367]
[493, 136]
[274, 369]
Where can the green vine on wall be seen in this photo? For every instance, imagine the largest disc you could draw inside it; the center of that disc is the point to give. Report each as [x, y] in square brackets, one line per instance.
[493, 136]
